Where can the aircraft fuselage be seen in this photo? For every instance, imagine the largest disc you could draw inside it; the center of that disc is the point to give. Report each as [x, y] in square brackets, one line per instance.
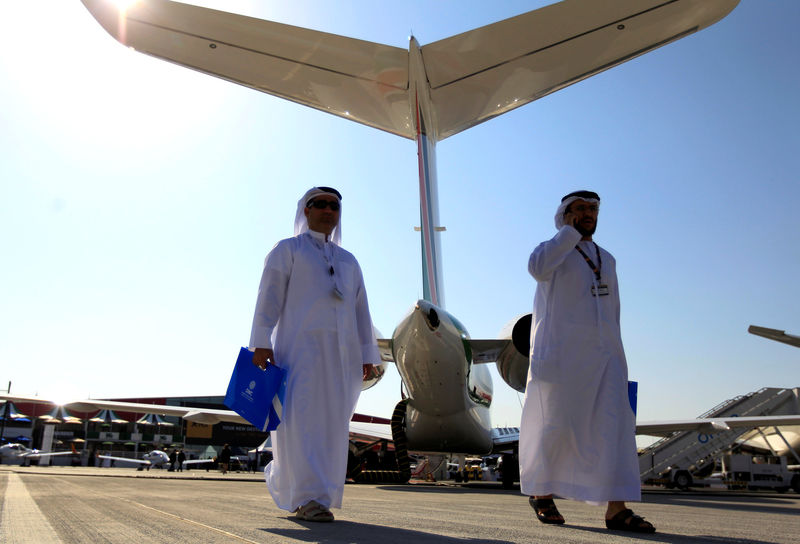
[449, 396]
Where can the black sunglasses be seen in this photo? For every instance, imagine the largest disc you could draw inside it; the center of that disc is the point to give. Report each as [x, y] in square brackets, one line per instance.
[322, 204]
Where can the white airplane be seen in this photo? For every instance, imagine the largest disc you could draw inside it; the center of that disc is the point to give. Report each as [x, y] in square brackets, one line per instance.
[17, 453]
[426, 93]
[151, 459]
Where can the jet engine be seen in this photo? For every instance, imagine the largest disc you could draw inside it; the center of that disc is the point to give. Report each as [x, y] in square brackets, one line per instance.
[513, 361]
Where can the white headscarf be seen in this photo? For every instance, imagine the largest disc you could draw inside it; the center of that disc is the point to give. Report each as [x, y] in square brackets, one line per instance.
[301, 222]
[569, 200]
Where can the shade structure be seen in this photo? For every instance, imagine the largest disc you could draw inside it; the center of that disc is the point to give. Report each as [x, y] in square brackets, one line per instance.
[13, 413]
[59, 414]
[108, 417]
[153, 419]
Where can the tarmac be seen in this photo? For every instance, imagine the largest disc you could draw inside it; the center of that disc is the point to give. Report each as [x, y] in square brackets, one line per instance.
[91, 504]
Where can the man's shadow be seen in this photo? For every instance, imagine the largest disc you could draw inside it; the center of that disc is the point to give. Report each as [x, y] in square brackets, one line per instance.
[351, 532]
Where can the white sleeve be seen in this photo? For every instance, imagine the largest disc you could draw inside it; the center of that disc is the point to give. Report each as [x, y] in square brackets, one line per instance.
[550, 254]
[366, 332]
[271, 295]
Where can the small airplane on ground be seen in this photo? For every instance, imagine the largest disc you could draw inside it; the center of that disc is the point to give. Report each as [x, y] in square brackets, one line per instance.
[151, 459]
[14, 452]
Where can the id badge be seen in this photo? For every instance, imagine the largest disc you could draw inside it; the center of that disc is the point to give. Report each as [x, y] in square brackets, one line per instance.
[600, 290]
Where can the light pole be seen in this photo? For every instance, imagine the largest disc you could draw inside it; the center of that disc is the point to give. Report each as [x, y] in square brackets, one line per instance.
[6, 411]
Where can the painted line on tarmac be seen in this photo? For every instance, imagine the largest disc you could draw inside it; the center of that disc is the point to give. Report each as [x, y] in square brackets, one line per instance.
[21, 521]
[187, 520]
[168, 514]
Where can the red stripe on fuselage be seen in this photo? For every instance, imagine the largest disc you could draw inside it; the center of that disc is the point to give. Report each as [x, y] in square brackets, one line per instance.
[427, 229]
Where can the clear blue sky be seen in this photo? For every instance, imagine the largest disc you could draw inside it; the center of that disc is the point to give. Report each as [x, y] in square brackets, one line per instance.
[138, 200]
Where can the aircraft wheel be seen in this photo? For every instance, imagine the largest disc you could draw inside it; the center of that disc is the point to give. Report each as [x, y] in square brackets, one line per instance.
[683, 480]
[510, 472]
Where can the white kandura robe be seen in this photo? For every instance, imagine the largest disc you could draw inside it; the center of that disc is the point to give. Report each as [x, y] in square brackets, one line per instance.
[322, 341]
[577, 436]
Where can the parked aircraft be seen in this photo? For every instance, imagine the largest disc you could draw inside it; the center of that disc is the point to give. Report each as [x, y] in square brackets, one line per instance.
[17, 453]
[426, 93]
[151, 459]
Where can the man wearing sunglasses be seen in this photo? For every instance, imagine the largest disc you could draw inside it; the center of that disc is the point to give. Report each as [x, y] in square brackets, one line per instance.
[312, 318]
[577, 437]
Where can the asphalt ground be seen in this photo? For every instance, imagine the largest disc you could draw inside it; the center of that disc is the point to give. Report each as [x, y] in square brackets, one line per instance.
[86, 504]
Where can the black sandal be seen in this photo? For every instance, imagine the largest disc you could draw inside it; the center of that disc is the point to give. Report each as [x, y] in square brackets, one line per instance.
[546, 511]
[626, 520]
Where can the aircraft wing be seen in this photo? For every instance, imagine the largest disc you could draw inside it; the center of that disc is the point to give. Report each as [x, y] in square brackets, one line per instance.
[774, 334]
[487, 351]
[486, 72]
[370, 431]
[126, 459]
[472, 77]
[39, 454]
[358, 80]
[197, 461]
[711, 425]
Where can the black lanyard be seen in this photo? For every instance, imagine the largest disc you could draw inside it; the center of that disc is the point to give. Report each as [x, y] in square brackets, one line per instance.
[595, 269]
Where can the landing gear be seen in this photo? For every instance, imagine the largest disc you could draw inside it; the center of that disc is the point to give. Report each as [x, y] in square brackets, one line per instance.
[510, 470]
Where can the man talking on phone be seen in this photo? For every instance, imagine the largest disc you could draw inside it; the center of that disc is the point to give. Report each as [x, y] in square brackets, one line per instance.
[577, 436]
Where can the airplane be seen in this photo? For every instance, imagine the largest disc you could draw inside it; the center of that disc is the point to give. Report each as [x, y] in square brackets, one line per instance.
[14, 452]
[151, 459]
[774, 334]
[426, 93]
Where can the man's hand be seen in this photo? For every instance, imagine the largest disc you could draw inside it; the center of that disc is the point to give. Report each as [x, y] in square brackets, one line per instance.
[263, 357]
[570, 218]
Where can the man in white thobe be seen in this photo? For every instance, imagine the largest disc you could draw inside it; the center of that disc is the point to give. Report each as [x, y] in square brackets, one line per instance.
[312, 318]
[577, 437]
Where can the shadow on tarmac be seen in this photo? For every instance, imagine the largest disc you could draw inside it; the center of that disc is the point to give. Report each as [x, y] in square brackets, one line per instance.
[670, 538]
[352, 532]
[764, 505]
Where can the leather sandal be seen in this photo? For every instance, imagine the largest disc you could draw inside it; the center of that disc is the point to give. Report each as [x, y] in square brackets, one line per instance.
[626, 520]
[314, 511]
[546, 511]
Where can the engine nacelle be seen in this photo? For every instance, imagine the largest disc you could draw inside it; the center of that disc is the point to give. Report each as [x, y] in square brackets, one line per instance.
[372, 375]
[513, 361]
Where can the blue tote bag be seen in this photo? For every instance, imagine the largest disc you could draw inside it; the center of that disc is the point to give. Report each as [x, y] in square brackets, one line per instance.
[256, 395]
